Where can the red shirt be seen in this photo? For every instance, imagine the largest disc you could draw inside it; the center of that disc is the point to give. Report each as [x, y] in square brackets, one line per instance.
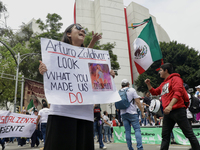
[114, 123]
[172, 87]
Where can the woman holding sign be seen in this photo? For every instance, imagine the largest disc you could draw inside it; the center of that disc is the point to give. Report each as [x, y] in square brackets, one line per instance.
[71, 126]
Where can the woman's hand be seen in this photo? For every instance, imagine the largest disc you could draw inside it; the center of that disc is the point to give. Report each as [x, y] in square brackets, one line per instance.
[95, 38]
[42, 68]
[112, 73]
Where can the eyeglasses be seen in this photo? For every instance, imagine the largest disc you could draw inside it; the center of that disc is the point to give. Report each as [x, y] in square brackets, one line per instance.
[78, 27]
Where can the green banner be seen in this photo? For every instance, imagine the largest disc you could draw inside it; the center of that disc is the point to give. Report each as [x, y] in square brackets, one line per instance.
[149, 135]
[180, 137]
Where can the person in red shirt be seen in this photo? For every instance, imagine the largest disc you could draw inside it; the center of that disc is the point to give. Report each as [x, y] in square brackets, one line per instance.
[115, 122]
[173, 94]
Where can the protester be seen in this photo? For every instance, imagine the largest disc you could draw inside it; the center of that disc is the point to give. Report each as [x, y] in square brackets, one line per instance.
[98, 124]
[115, 122]
[188, 112]
[130, 117]
[173, 97]
[22, 140]
[107, 128]
[2, 143]
[34, 137]
[71, 127]
[147, 101]
[197, 93]
[42, 118]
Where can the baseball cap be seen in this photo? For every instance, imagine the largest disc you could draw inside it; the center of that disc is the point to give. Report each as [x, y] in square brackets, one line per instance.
[124, 82]
[197, 87]
[35, 110]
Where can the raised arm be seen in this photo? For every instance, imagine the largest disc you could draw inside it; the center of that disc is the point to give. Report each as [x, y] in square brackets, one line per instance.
[95, 38]
[148, 83]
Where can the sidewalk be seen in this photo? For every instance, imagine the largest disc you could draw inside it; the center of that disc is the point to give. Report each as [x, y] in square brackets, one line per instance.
[111, 146]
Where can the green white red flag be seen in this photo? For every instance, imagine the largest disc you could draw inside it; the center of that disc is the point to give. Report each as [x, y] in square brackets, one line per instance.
[146, 47]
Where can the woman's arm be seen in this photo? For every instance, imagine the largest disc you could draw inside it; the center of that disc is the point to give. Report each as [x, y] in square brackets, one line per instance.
[95, 38]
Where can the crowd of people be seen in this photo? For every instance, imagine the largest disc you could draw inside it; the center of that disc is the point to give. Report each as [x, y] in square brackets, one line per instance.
[38, 135]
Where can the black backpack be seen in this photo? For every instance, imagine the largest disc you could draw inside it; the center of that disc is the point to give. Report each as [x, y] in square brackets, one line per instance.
[194, 106]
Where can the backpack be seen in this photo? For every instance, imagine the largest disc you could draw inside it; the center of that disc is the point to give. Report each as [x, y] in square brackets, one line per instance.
[124, 103]
[194, 106]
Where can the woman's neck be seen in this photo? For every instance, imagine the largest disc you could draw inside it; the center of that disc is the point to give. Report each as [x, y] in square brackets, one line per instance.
[77, 44]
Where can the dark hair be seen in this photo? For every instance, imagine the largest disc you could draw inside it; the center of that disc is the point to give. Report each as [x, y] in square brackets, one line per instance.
[104, 112]
[125, 84]
[186, 86]
[67, 39]
[167, 66]
[147, 92]
[44, 105]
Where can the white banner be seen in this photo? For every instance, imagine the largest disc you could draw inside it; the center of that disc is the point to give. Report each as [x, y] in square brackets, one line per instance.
[16, 125]
[77, 75]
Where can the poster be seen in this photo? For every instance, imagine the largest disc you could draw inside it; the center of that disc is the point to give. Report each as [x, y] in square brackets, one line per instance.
[149, 135]
[77, 75]
[180, 137]
[16, 125]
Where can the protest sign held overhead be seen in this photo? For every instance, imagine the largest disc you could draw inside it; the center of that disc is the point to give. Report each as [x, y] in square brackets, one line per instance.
[77, 75]
[146, 47]
[16, 125]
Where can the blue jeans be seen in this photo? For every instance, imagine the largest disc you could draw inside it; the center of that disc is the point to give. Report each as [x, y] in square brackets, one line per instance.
[43, 130]
[99, 131]
[128, 120]
[107, 133]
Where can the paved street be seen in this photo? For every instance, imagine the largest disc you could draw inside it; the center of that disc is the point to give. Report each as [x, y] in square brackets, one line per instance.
[111, 146]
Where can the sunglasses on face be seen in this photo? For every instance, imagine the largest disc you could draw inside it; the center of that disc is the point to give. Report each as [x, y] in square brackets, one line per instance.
[78, 27]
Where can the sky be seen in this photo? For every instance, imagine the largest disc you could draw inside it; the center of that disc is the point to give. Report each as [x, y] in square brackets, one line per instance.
[179, 18]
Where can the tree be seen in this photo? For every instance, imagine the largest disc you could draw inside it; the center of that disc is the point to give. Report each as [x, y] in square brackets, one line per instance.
[7, 66]
[185, 61]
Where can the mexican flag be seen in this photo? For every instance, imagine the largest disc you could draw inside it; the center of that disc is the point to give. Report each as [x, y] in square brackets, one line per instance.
[146, 48]
[30, 106]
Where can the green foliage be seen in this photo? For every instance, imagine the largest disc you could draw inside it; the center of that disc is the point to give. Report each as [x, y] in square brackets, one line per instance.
[108, 46]
[185, 61]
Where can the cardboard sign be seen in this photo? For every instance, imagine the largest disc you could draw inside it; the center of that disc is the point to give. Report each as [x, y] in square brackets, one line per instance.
[77, 75]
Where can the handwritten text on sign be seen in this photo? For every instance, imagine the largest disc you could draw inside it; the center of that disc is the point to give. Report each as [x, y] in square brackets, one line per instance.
[16, 125]
[77, 75]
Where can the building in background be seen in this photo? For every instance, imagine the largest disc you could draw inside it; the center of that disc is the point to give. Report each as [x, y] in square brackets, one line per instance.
[111, 18]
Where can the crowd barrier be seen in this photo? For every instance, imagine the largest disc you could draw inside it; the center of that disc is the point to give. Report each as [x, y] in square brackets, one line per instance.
[152, 135]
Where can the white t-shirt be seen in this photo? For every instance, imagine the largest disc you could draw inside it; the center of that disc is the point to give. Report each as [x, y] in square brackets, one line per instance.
[132, 109]
[107, 120]
[43, 113]
[84, 112]
[189, 114]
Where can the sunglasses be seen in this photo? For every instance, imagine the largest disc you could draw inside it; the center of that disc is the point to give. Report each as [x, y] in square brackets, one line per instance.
[78, 27]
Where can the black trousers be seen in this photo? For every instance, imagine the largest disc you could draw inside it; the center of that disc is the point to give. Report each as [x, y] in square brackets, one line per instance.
[34, 139]
[177, 116]
[65, 133]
